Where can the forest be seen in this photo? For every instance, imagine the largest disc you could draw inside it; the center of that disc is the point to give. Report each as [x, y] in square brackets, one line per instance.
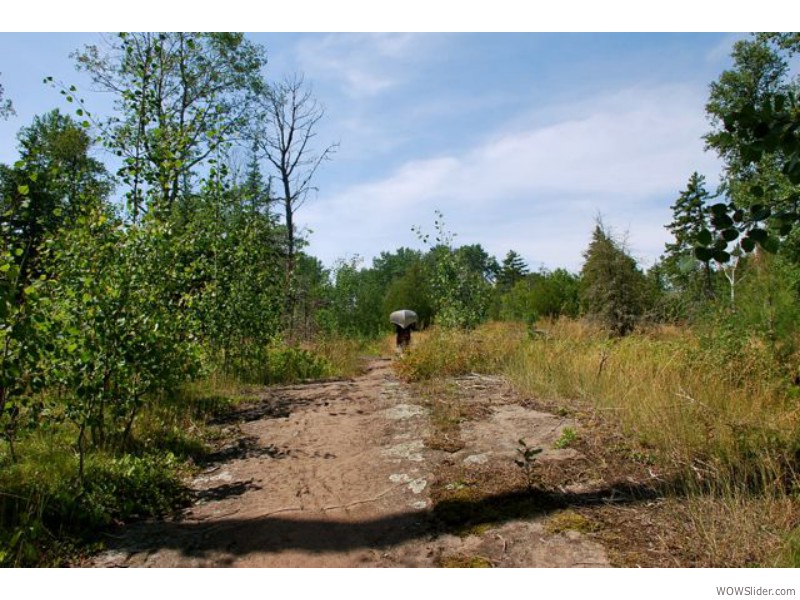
[145, 296]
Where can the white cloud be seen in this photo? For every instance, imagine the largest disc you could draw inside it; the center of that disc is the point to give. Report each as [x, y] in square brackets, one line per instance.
[362, 64]
[536, 188]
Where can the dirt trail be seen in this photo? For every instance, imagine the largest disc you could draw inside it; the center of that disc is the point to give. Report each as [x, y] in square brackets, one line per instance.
[338, 474]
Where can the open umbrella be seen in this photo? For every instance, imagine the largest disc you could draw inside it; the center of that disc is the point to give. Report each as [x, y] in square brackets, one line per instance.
[404, 318]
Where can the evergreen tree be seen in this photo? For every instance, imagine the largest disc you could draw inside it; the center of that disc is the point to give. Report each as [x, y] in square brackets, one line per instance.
[614, 290]
[690, 217]
[512, 270]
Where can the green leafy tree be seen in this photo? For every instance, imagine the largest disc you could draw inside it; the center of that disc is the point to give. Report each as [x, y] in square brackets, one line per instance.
[459, 279]
[53, 184]
[6, 108]
[542, 294]
[50, 186]
[25, 334]
[229, 270]
[313, 284]
[394, 265]
[411, 291]
[355, 305]
[121, 338]
[614, 291]
[179, 97]
[756, 118]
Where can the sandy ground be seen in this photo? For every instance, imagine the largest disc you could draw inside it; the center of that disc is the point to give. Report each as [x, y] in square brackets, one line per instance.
[337, 474]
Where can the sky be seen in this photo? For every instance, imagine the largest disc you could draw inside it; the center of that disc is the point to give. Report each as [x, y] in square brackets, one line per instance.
[521, 140]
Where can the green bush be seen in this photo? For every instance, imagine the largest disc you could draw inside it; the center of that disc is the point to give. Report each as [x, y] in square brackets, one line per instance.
[287, 364]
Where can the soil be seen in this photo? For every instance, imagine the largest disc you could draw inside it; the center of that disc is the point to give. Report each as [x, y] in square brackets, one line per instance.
[347, 474]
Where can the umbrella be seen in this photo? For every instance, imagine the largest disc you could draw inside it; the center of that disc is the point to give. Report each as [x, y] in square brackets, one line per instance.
[403, 318]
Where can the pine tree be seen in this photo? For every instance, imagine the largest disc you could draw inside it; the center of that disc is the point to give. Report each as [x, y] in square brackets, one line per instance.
[690, 217]
[512, 270]
[614, 290]
[256, 192]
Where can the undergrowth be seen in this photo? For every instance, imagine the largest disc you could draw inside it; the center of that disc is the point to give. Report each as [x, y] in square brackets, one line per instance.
[716, 409]
[48, 516]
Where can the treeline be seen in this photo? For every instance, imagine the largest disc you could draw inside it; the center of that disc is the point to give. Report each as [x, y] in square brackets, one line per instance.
[733, 259]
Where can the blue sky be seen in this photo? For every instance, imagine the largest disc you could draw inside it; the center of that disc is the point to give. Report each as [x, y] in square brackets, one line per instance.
[521, 140]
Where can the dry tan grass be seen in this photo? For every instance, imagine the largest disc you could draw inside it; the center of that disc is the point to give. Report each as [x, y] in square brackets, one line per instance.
[712, 422]
[723, 430]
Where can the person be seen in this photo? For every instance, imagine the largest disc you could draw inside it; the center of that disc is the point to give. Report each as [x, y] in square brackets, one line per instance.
[403, 336]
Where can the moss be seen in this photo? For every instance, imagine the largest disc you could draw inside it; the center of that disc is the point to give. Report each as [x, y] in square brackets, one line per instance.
[569, 520]
[465, 562]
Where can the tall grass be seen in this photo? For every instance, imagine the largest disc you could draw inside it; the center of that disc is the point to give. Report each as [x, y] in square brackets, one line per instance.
[729, 421]
[719, 415]
[440, 352]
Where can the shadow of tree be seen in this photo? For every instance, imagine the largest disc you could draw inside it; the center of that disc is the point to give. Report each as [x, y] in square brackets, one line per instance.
[245, 447]
[226, 490]
[315, 533]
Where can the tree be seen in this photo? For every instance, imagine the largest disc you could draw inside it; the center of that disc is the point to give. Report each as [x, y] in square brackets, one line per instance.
[758, 73]
[614, 290]
[50, 186]
[313, 285]
[390, 266]
[512, 270]
[411, 290]
[690, 219]
[6, 108]
[542, 294]
[459, 279]
[478, 261]
[355, 302]
[284, 134]
[756, 114]
[180, 96]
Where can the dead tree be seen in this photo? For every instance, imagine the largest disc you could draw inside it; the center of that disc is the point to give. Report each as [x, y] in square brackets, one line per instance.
[285, 137]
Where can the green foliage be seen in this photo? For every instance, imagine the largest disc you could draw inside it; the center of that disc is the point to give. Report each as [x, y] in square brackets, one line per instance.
[120, 337]
[613, 290]
[526, 461]
[542, 294]
[286, 364]
[512, 270]
[179, 96]
[566, 439]
[460, 287]
[42, 512]
[131, 487]
[756, 119]
[355, 302]
[683, 273]
[6, 108]
[411, 291]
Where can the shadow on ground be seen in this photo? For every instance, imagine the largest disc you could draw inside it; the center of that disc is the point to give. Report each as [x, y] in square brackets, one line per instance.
[272, 534]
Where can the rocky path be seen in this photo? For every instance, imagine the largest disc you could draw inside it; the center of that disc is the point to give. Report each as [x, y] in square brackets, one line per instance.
[339, 474]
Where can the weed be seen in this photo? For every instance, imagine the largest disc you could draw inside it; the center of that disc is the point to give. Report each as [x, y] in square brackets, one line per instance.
[527, 462]
[568, 437]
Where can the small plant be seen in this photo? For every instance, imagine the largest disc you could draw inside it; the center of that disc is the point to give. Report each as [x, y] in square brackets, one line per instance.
[568, 436]
[527, 462]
